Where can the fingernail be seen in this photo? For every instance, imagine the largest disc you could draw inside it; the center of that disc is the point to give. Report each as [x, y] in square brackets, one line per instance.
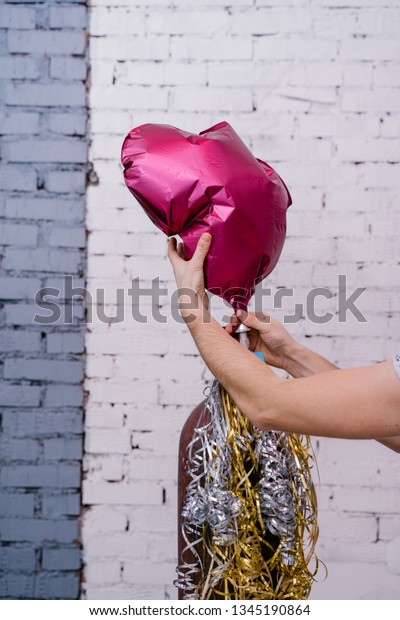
[206, 237]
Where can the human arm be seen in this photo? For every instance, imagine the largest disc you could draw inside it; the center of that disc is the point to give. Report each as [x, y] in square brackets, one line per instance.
[278, 347]
[281, 350]
[361, 403]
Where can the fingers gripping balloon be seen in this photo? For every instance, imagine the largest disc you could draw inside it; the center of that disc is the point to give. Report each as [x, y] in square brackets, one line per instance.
[189, 184]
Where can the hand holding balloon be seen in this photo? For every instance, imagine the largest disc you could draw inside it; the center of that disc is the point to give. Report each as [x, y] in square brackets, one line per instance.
[189, 275]
[189, 184]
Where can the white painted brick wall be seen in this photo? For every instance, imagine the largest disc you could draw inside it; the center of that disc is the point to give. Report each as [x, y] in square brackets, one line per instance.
[312, 87]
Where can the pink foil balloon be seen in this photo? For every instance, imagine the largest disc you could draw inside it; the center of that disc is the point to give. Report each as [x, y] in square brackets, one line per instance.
[189, 184]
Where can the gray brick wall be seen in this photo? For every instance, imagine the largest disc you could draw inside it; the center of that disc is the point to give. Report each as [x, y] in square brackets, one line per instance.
[43, 118]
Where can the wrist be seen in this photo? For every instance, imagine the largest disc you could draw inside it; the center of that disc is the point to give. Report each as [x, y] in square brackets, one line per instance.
[293, 357]
[193, 306]
[302, 362]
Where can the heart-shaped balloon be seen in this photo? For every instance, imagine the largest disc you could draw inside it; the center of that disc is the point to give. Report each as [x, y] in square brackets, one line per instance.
[189, 184]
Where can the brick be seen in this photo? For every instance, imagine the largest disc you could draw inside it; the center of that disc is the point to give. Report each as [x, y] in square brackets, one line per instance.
[381, 176]
[68, 124]
[372, 553]
[389, 527]
[12, 122]
[379, 100]
[138, 572]
[46, 95]
[20, 314]
[41, 423]
[17, 178]
[370, 49]
[17, 559]
[73, 151]
[40, 475]
[162, 548]
[17, 17]
[13, 68]
[98, 441]
[152, 367]
[67, 504]
[46, 42]
[43, 370]
[53, 586]
[186, 22]
[118, 20]
[198, 48]
[115, 97]
[103, 572]
[364, 150]
[370, 499]
[63, 449]
[66, 181]
[42, 259]
[16, 505]
[11, 340]
[121, 493]
[101, 519]
[152, 518]
[272, 48]
[68, 237]
[61, 559]
[19, 288]
[17, 586]
[103, 419]
[318, 73]
[136, 391]
[68, 17]
[189, 394]
[12, 234]
[45, 208]
[164, 468]
[387, 74]
[112, 469]
[65, 68]
[120, 47]
[57, 315]
[322, 125]
[65, 342]
[358, 74]
[256, 22]
[64, 395]
[224, 99]
[38, 530]
[19, 449]
[19, 395]
[140, 245]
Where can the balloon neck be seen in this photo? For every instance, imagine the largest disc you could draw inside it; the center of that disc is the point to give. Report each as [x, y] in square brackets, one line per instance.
[238, 304]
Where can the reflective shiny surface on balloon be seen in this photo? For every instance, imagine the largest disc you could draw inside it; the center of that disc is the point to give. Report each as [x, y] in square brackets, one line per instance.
[189, 184]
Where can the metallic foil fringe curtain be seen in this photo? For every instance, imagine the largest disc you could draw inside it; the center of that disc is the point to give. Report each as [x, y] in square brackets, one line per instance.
[249, 519]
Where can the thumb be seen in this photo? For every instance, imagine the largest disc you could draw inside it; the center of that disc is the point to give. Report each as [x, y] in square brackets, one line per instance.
[201, 251]
[251, 320]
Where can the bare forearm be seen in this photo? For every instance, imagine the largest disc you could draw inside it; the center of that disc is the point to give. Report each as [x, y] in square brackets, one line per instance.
[336, 403]
[302, 362]
[242, 374]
